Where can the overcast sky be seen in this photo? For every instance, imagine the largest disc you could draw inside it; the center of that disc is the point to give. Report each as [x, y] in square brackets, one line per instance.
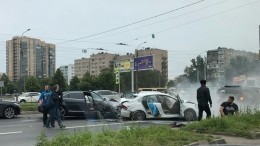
[185, 33]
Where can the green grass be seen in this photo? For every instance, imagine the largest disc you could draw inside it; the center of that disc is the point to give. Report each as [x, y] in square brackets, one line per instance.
[152, 136]
[242, 125]
[29, 106]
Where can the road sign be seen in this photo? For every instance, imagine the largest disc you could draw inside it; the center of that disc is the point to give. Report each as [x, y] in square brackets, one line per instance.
[143, 63]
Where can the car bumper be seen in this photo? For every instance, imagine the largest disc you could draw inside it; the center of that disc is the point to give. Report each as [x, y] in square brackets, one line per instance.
[125, 113]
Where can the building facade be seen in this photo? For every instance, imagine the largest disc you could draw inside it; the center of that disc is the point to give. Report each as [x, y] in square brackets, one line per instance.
[160, 59]
[219, 59]
[68, 72]
[100, 61]
[29, 57]
[81, 67]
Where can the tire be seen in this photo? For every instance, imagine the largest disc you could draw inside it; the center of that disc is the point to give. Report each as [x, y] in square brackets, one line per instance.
[9, 112]
[62, 112]
[190, 115]
[22, 101]
[139, 115]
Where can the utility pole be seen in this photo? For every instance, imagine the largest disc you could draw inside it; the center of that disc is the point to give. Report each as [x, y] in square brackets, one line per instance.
[137, 65]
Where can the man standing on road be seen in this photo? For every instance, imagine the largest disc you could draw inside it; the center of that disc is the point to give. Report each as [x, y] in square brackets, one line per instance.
[42, 102]
[228, 107]
[204, 99]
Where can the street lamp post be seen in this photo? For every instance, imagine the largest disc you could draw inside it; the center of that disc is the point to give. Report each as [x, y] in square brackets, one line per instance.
[21, 58]
[136, 76]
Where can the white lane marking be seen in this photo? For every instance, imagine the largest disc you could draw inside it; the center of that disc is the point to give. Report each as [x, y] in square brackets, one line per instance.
[97, 125]
[16, 132]
[28, 120]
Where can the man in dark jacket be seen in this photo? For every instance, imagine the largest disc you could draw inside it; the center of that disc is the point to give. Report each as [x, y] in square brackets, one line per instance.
[204, 99]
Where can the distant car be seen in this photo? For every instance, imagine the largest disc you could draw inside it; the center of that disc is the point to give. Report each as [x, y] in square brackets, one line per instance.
[28, 97]
[158, 105]
[9, 109]
[241, 93]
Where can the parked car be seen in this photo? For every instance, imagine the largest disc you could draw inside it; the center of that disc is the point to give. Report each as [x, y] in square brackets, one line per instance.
[28, 97]
[79, 103]
[158, 105]
[241, 93]
[108, 94]
[9, 109]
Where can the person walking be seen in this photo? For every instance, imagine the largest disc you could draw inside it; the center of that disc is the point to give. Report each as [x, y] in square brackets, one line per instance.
[228, 107]
[42, 103]
[204, 99]
[60, 100]
[54, 110]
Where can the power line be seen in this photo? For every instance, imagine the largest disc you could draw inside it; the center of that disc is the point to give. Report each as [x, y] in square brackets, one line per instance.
[123, 26]
[197, 20]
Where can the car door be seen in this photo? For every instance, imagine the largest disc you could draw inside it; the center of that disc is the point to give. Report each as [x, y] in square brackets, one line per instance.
[75, 102]
[170, 105]
[98, 101]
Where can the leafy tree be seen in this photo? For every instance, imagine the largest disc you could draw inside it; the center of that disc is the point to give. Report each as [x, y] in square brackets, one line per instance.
[197, 67]
[107, 79]
[9, 87]
[43, 82]
[58, 78]
[32, 85]
[74, 84]
[150, 78]
[86, 83]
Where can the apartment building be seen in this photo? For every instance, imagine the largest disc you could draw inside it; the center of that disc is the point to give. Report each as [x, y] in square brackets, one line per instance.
[68, 72]
[219, 59]
[29, 57]
[100, 61]
[160, 59]
[81, 67]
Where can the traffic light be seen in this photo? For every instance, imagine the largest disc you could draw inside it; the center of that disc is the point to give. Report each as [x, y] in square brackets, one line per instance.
[117, 77]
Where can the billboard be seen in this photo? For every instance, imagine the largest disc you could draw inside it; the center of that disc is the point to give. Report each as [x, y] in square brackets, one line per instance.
[122, 66]
[143, 63]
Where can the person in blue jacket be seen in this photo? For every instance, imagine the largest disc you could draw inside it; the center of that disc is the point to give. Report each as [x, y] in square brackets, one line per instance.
[42, 102]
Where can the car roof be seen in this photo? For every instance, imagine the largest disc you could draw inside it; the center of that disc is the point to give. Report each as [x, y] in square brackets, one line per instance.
[150, 93]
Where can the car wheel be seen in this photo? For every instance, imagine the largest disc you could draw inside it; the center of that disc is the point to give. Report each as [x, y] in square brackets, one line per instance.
[22, 101]
[190, 115]
[139, 115]
[62, 112]
[9, 112]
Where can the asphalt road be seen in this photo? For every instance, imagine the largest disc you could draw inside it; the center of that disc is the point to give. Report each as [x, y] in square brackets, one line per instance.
[25, 129]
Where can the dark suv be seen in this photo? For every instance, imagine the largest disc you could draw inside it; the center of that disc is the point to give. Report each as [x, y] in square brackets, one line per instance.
[241, 93]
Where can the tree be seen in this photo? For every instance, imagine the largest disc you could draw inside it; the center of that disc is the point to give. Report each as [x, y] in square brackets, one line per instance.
[151, 78]
[59, 79]
[107, 79]
[196, 70]
[9, 87]
[43, 82]
[32, 85]
[74, 83]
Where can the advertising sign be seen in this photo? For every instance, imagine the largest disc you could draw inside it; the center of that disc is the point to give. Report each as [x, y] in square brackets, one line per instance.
[122, 66]
[143, 63]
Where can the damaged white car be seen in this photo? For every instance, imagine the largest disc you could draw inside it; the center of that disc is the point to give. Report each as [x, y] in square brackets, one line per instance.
[158, 105]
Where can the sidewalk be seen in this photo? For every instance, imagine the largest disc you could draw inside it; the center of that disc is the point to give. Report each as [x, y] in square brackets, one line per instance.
[239, 140]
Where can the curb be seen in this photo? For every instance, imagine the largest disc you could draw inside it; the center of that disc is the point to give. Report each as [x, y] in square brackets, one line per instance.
[204, 142]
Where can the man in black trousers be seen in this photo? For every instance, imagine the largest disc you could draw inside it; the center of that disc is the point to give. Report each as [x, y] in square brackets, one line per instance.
[204, 100]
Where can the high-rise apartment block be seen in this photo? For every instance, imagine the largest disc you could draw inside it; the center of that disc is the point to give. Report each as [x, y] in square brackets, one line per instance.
[68, 72]
[219, 59]
[29, 57]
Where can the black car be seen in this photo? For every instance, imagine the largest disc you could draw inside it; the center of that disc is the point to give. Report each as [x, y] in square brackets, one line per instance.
[80, 103]
[9, 109]
[241, 93]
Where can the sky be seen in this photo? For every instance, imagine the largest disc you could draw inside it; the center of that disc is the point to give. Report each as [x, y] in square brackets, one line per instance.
[186, 31]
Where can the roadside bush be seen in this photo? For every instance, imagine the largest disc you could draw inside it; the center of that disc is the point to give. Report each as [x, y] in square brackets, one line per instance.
[135, 136]
[29, 106]
[239, 125]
